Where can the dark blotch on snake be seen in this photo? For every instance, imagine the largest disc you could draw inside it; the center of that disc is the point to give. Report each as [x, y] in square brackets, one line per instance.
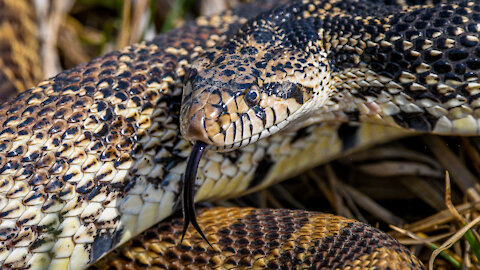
[101, 245]
[297, 94]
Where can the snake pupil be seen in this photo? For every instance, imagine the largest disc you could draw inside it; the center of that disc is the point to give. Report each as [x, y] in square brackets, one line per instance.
[189, 190]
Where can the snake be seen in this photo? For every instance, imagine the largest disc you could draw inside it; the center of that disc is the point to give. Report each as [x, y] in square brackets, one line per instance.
[96, 155]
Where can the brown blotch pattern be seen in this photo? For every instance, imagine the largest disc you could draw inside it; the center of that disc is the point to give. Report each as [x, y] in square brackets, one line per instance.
[246, 238]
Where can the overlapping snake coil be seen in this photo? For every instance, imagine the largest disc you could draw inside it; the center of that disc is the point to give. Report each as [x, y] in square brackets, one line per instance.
[94, 156]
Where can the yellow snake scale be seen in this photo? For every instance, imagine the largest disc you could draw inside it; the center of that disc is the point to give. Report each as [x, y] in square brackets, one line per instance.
[94, 156]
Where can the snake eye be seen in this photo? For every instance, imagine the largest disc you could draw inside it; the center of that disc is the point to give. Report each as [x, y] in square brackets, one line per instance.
[252, 96]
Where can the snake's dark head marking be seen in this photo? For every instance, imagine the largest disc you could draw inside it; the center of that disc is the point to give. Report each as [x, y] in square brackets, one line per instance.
[262, 79]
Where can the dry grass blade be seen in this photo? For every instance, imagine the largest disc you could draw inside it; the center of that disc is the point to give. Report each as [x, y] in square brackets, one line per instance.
[355, 212]
[448, 199]
[69, 42]
[452, 240]
[210, 7]
[332, 180]
[322, 186]
[134, 21]
[429, 241]
[395, 168]
[372, 207]
[392, 153]
[420, 239]
[271, 199]
[428, 191]
[334, 196]
[50, 24]
[139, 20]
[126, 30]
[283, 193]
[460, 174]
[472, 153]
[439, 218]
[352, 210]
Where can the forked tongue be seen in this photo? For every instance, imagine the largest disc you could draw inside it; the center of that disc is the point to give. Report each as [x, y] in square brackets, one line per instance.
[189, 190]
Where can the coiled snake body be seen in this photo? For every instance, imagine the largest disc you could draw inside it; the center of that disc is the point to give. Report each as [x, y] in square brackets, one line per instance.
[94, 156]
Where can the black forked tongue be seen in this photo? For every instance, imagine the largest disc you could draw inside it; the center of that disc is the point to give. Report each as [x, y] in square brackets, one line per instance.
[189, 190]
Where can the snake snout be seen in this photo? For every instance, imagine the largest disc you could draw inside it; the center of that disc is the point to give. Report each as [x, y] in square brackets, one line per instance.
[200, 115]
[204, 121]
[194, 127]
[192, 117]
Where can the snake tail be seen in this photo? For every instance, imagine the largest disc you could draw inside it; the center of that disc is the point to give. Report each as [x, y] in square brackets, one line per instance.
[189, 190]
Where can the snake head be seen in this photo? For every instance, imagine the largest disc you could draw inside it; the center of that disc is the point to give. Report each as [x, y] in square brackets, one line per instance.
[248, 88]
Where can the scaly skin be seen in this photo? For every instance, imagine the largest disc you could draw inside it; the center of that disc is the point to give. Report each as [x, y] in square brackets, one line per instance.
[94, 156]
[263, 238]
[413, 67]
